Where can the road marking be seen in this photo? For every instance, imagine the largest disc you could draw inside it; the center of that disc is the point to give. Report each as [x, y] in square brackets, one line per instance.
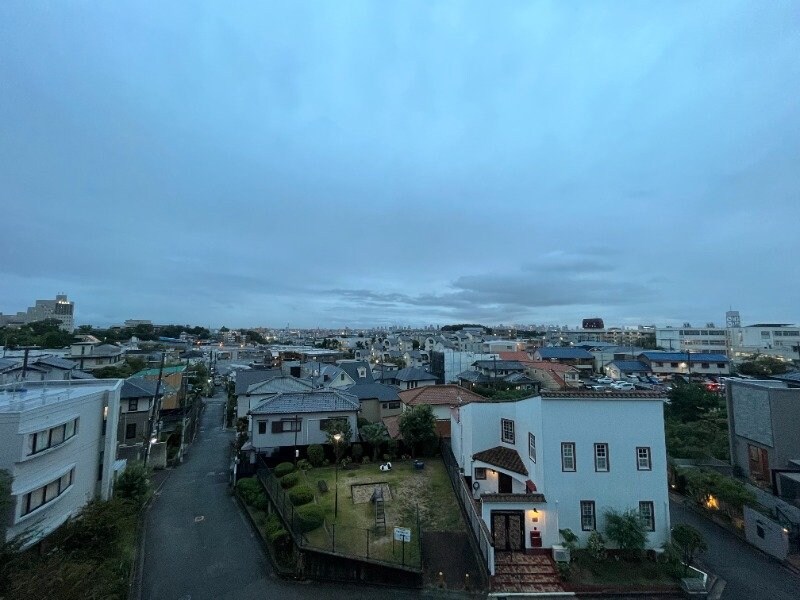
[199, 518]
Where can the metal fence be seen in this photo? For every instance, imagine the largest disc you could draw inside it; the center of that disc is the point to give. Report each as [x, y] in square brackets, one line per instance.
[480, 532]
[376, 545]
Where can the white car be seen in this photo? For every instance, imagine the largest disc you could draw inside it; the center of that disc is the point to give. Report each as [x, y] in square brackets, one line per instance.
[623, 385]
[605, 380]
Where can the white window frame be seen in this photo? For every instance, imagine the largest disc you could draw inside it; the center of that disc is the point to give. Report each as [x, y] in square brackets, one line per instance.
[644, 460]
[565, 456]
[504, 426]
[602, 462]
[584, 514]
[532, 446]
[647, 511]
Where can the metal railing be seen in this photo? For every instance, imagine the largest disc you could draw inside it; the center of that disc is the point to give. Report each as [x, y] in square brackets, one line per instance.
[480, 532]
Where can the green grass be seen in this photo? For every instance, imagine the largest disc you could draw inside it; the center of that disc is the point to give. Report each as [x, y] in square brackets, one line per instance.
[426, 493]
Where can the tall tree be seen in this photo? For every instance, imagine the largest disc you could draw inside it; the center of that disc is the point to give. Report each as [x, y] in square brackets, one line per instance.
[690, 542]
[418, 426]
[689, 402]
[375, 435]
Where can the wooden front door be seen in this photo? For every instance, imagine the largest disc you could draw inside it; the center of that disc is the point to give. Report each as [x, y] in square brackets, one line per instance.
[504, 483]
[759, 463]
[508, 530]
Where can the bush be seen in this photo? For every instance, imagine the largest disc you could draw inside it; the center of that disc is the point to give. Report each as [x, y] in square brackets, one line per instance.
[596, 546]
[283, 469]
[309, 517]
[302, 494]
[290, 480]
[272, 524]
[316, 455]
[303, 465]
[134, 483]
[361, 421]
[627, 530]
[249, 489]
[564, 570]
[357, 452]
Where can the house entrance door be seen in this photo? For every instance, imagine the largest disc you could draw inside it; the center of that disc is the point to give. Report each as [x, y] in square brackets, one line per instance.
[508, 530]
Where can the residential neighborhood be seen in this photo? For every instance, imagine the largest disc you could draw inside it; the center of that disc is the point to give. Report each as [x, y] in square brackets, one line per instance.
[441, 300]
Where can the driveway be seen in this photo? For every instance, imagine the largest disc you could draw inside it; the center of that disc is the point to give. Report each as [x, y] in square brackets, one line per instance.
[198, 545]
[749, 573]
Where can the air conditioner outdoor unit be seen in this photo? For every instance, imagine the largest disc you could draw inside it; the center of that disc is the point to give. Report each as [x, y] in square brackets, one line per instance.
[561, 554]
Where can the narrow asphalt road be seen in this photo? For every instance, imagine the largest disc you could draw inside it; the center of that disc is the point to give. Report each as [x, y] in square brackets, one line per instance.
[750, 574]
[198, 545]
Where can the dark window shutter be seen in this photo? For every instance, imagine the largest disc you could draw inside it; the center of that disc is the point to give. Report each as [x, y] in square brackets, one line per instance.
[277, 427]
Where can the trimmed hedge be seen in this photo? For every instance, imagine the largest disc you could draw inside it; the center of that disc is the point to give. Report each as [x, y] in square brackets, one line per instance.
[289, 481]
[250, 490]
[316, 455]
[300, 495]
[283, 469]
[309, 517]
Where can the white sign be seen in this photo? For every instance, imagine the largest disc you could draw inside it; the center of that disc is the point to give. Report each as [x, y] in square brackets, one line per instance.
[402, 534]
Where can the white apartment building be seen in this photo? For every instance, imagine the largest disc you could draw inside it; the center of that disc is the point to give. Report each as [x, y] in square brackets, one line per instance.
[560, 460]
[58, 442]
[60, 309]
[773, 339]
[693, 339]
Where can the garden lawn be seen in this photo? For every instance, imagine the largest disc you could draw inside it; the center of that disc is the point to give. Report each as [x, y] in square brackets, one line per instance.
[426, 494]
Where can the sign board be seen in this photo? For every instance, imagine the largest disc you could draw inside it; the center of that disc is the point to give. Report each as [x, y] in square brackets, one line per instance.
[402, 534]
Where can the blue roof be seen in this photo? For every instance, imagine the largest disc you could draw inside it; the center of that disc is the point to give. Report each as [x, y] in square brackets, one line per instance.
[323, 400]
[560, 352]
[694, 357]
[631, 366]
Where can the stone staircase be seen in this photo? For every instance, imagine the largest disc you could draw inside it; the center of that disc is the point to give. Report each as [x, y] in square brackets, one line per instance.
[517, 572]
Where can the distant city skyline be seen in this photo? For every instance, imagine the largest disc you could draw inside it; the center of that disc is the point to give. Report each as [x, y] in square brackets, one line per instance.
[418, 163]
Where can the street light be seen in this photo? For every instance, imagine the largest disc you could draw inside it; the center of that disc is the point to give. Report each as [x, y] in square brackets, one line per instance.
[336, 439]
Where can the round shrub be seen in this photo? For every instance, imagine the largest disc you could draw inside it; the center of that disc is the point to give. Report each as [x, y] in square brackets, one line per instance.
[289, 481]
[309, 517]
[302, 494]
[316, 455]
[249, 489]
[283, 469]
[272, 524]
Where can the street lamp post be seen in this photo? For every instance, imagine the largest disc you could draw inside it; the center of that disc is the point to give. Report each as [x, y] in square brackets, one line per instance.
[336, 439]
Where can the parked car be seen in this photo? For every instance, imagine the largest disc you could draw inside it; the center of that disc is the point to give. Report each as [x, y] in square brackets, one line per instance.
[623, 385]
[605, 380]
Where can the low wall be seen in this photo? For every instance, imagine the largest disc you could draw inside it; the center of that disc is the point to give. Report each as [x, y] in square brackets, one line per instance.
[327, 566]
[765, 534]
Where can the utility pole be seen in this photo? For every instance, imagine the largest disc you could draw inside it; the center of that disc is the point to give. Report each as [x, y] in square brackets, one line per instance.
[156, 408]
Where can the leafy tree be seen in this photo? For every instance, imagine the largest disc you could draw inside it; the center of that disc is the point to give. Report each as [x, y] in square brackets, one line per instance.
[690, 542]
[703, 438]
[763, 366]
[418, 426]
[134, 483]
[375, 435]
[254, 336]
[627, 530]
[689, 402]
[342, 426]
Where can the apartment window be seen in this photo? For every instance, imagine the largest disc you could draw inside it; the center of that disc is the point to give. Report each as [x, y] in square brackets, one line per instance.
[130, 431]
[47, 493]
[262, 427]
[601, 463]
[49, 438]
[133, 405]
[643, 459]
[720, 365]
[568, 456]
[647, 512]
[507, 431]
[286, 425]
[704, 365]
[532, 447]
[588, 519]
[659, 364]
[394, 405]
[673, 365]
[480, 473]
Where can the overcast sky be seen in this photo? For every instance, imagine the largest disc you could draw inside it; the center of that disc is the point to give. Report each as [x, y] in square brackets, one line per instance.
[347, 163]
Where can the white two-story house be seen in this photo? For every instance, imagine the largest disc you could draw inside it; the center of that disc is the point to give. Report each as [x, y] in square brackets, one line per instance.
[560, 460]
[58, 442]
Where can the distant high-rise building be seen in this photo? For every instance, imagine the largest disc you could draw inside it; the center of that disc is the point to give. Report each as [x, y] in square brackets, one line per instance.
[61, 309]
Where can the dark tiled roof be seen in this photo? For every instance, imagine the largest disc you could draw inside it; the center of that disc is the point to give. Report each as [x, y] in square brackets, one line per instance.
[244, 379]
[380, 391]
[631, 366]
[548, 353]
[322, 400]
[694, 357]
[504, 365]
[474, 377]
[56, 362]
[503, 458]
[413, 374]
[351, 368]
[136, 387]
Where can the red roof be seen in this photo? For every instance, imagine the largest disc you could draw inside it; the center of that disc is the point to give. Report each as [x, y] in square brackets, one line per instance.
[519, 355]
[433, 395]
